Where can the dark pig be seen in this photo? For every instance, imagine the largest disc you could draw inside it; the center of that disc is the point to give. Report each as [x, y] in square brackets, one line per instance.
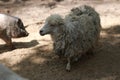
[11, 27]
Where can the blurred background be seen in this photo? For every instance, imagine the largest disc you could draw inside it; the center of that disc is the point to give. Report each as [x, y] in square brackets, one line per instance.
[33, 57]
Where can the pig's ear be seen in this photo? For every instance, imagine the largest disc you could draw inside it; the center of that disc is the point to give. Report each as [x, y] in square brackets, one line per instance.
[18, 21]
[20, 24]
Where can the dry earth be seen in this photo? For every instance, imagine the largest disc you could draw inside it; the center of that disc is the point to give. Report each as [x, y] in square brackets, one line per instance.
[33, 57]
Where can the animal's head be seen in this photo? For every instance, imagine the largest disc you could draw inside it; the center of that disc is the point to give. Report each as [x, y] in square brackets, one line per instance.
[18, 30]
[52, 25]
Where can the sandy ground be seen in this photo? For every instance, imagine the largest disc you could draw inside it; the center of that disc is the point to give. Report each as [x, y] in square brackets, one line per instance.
[33, 57]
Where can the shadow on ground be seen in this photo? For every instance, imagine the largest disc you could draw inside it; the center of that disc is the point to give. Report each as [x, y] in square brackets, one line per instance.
[19, 45]
[104, 65]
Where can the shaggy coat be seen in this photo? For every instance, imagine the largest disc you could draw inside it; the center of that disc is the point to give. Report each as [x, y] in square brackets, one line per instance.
[74, 35]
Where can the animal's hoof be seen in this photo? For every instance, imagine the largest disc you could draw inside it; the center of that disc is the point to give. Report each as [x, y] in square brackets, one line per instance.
[68, 67]
[67, 70]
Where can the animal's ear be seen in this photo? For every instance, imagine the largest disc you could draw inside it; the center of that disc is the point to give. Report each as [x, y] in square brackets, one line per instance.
[57, 22]
[20, 24]
[18, 21]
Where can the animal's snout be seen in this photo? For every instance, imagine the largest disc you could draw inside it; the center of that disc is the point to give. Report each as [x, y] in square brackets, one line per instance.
[41, 32]
[23, 33]
[27, 34]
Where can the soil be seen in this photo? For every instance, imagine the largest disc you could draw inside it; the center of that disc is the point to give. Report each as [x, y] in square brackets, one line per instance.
[33, 57]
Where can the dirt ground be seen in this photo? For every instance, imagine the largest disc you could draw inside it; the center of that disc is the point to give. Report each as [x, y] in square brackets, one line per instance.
[33, 57]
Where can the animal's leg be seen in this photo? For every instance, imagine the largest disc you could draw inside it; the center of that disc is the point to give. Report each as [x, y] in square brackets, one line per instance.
[68, 66]
[8, 42]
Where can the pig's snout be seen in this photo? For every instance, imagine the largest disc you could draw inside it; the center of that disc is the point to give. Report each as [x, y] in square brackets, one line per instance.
[26, 34]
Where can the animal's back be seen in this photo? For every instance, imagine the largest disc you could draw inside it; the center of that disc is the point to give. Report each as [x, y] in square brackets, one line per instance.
[84, 27]
[87, 10]
[6, 21]
[81, 29]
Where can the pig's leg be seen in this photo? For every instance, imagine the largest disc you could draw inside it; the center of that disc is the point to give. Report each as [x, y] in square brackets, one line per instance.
[8, 42]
